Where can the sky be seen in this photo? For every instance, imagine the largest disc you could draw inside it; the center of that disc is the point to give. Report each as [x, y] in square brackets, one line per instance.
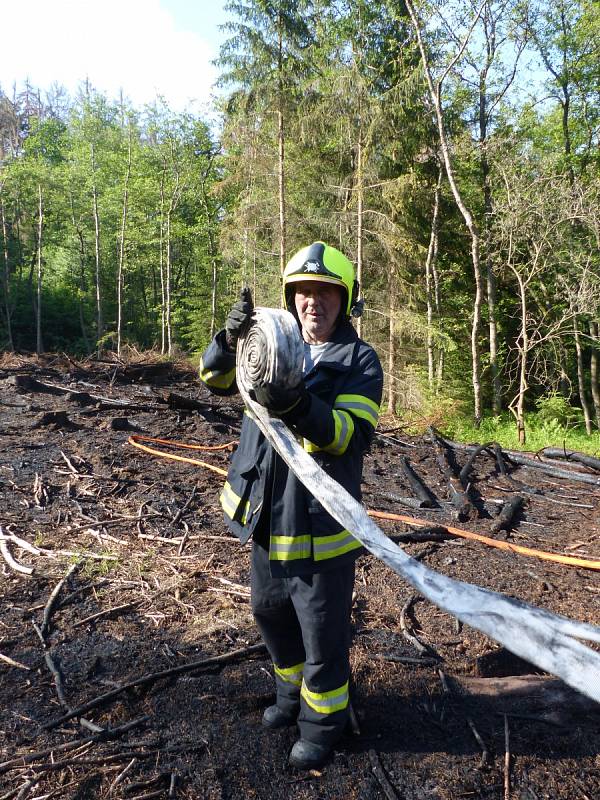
[144, 47]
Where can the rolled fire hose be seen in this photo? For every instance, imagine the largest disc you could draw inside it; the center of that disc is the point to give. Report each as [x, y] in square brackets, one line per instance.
[272, 350]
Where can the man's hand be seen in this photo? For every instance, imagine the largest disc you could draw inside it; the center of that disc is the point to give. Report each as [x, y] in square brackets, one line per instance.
[289, 404]
[238, 318]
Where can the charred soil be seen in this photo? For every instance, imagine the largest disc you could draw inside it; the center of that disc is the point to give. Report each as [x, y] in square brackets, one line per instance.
[153, 584]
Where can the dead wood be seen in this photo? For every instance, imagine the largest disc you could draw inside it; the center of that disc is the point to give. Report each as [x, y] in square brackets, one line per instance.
[12, 562]
[183, 403]
[466, 470]
[532, 463]
[409, 502]
[484, 751]
[572, 455]
[408, 633]
[387, 787]
[409, 660]
[107, 612]
[509, 509]
[12, 663]
[424, 494]
[458, 495]
[156, 676]
[44, 627]
[106, 735]
[436, 533]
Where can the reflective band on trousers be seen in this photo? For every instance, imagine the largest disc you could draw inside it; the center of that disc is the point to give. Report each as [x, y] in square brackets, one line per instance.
[230, 503]
[359, 405]
[218, 381]
[325, 702]
[331, 546]
[289, 548]
[290, 674]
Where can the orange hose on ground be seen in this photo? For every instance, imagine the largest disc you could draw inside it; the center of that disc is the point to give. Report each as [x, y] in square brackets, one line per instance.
[135, 441]
[420, 523]
[498, 543]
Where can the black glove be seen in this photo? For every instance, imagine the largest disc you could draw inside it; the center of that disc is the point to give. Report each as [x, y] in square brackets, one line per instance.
[289, 404]
[238, 317]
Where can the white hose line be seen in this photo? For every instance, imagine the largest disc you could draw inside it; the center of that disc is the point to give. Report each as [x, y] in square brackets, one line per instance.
[272, 350]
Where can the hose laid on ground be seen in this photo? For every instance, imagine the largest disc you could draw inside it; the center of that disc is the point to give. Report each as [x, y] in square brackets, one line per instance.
[557, 558]
[136, 439]
[271, 350]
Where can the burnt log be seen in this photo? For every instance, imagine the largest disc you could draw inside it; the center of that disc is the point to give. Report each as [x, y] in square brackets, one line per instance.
[509, 509]
[458, 495]
[572, 455]
[426, 497]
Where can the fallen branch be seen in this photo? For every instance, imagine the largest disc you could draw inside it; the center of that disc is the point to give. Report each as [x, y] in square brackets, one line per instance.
[506, 759]
[156, 676]
[49, 608]
[387, 787]
[426, 497]
[12, 563]
[104, 736]
[572, 455]
[106, 612]
[11, 662]
[422, 649]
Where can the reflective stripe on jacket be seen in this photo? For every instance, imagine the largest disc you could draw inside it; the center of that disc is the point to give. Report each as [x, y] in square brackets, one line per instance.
[262, 494]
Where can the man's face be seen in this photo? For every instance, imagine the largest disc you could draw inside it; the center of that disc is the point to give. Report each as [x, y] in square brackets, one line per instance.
[318, 305]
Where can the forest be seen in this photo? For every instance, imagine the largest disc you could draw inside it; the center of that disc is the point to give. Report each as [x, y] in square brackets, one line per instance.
[451, 150]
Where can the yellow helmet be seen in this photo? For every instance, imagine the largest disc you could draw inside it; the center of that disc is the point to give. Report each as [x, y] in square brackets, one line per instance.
[320, 262]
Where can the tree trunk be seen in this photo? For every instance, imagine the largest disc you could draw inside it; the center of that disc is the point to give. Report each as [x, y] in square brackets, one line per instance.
[435, 93]
[281, 152]
[163, 299]
[99, 320]
[214, 255]
[359, 218]
[430, 263]
[168, 285]
[492, 292]
[6, 281]
[594, 377]
[38, 311]
[517, 406]
[82, 287]
[392, 398]
[585, 406]
[122, 250]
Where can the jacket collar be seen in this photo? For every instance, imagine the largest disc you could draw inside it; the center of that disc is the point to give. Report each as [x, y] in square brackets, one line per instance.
[340, 349]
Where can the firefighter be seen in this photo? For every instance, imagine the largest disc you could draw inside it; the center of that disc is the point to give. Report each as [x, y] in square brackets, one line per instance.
[302, 560]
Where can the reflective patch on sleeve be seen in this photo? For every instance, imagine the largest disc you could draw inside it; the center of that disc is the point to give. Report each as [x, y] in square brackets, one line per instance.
[360, 406]
[289, 548]
[290, 674]
[343, 430]
[218, 380]
[231, 502]
[326, 702]
[325, 547]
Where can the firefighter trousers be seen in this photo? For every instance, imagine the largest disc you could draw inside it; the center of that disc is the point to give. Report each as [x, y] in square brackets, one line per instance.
[305, 624]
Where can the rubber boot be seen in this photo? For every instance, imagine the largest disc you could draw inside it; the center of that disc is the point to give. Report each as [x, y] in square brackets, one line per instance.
[308, 755]
[274, 718]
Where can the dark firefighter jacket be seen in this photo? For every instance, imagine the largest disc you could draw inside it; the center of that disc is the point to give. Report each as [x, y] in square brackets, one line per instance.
[262, 497]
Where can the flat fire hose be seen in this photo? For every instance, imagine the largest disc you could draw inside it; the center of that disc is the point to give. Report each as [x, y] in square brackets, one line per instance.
[271, 350]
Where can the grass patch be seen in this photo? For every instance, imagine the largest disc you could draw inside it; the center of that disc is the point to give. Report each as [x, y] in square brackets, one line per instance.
[541, 431]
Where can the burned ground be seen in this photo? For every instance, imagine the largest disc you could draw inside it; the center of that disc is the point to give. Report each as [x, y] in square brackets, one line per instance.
[155, 583]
